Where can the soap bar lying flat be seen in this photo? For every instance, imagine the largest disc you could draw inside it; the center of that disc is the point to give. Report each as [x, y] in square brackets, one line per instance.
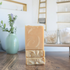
[35, 61]
[34, 37]
[35, 53]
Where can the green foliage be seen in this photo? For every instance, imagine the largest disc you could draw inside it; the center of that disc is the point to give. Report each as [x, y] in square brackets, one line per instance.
[4, 25]
[0, 3]
[11, 23]
[1, 21]
[12, 29]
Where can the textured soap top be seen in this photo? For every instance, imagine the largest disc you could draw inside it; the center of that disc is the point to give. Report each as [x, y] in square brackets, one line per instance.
[34, 37]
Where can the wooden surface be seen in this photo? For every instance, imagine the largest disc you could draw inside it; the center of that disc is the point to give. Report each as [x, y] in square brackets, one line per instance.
[54, 61]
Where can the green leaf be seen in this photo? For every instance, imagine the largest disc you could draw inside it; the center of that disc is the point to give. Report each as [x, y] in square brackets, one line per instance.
[0, 3]
[12, 29]
[9, 17]
[4, 25]
[1, 21]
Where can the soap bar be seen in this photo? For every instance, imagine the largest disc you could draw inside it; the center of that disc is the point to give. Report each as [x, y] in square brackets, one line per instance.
[35, 61]
[34, 37]
[35, 53]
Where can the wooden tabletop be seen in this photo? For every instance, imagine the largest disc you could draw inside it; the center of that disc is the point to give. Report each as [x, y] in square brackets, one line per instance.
[54, 61]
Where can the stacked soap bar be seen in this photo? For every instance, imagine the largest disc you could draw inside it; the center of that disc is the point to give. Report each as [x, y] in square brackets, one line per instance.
[34, 45]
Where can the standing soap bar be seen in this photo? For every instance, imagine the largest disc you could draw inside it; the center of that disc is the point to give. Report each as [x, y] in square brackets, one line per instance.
[34, 37]
[34, 45]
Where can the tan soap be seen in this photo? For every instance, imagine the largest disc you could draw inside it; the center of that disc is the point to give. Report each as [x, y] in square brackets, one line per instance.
[35, 53]
[34, 37]
[35, 61]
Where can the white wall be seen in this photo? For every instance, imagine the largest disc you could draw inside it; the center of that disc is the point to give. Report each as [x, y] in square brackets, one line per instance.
[22, 19]
[51, 19]
[31, 16]
[35, 4]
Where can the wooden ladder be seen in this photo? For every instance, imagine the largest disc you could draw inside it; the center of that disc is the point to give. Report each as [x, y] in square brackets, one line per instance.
[43, 20]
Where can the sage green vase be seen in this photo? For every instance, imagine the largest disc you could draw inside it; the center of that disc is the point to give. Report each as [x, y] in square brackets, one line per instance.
[12, 44]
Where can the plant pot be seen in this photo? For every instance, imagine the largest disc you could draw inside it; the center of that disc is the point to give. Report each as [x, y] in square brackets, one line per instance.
[12, 44]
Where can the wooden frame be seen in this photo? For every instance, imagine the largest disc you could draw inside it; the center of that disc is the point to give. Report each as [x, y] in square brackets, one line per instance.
[24, 5]
[58, 45]
[63, 12]
[63, 22]
[63, 2]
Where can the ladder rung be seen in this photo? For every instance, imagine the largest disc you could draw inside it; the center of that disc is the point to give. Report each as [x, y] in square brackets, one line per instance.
[42, 7]
[43, 2]
[42, 13]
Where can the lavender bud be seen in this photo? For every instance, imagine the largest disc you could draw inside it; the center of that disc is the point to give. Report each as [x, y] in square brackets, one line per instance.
[12, 16]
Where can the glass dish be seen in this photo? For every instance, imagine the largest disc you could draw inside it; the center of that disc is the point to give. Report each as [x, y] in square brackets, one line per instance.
[64, 37]
[50, 37]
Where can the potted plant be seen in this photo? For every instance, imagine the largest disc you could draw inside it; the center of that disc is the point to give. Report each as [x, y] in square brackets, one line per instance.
[12, 44]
